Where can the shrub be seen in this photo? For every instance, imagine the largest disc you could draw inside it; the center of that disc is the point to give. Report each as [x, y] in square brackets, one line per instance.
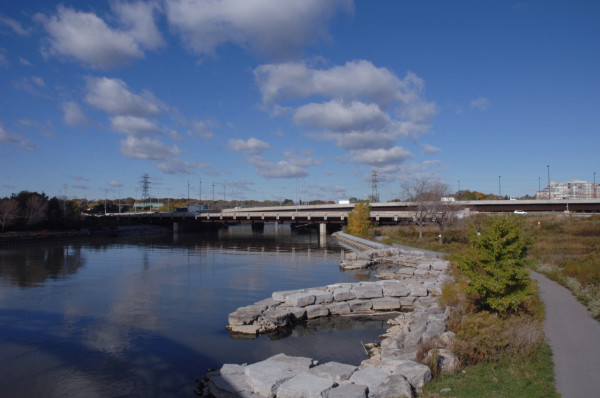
[495, 264]
[359, 220]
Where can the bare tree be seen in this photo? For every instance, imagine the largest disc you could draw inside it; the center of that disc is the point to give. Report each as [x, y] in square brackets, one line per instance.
[35, 209]
[444, 209]
[419, 192]
[9, 208]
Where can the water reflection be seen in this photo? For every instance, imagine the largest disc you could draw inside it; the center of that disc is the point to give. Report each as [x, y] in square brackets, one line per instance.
[137, 316]
[34, 265]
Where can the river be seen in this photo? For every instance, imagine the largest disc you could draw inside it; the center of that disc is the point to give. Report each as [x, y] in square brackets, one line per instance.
[145, 316]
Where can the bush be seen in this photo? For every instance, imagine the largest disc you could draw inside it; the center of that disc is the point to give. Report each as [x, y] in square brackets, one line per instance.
[495, 264]
[359, 220]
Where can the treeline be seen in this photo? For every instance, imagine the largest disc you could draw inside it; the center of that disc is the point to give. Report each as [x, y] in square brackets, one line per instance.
[33, 211]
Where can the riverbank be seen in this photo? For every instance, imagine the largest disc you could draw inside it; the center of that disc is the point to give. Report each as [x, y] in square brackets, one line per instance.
[392, 370]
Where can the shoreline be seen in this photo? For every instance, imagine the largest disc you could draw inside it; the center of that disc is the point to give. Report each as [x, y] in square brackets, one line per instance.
[391, 370]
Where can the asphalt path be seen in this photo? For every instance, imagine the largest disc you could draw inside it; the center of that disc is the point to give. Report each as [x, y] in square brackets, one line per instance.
[575, 340]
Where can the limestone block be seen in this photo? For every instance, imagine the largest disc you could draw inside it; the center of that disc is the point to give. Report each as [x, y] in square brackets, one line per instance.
[366, 292]
[393, 386]
[268, 303]
[434, 329]
[395, 290]
[245, 329]
[435, 291]
[386, 304]
[343, 294]
[341, 308]
[316, 311]
[233, 385]
[279, 316]
[414, 336]
[299, 299]
[347, 391]
[321, 297]
[304, 385]
[417, 374]
[280, 296]
[406, 271]
[296, 364]
[447, 339]
[265, 377]
[365, 255]
[351, 256]
[360, 305]
[297, 312]
[372, 377]
[356, 264]
[418, 291]
[447, 362]
[421, 272]
[439, 265]
[424, 266]
[333, 370]
[245, 315]
[230, 368]
[407, 301]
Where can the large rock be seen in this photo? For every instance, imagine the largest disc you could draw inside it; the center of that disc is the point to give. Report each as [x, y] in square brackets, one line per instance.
[264, 378]
[300, 299]
[316, 311]
[304, 385]
[343, 294]
[393, 289]
[360, 305]
[368, 291]
[347, 391]
[356, 264]
[333, 370]
[230, 382]
[246, 315]
[395, 386]
[417, 374]
[386, 304]
[321, 297]
[371, 377]
[447, 362]
[342, 308]
[280, 296]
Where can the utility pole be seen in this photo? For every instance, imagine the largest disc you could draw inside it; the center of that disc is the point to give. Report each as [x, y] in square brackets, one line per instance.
[213, 187]
[548, 166]
[499, 187]
[374, 195]
[594, 185]
[223, 195]
[200, 193]
[188, 200]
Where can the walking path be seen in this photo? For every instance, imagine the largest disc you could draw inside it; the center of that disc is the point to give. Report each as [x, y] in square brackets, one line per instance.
[575, 340]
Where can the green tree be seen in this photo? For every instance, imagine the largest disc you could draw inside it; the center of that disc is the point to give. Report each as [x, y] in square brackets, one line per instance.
[495, 264]
[359, 220]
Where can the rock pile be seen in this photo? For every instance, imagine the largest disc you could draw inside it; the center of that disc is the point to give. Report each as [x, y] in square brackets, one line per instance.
[391, 371]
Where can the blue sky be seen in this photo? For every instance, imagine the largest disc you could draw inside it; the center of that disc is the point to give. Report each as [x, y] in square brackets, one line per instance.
[296, 99]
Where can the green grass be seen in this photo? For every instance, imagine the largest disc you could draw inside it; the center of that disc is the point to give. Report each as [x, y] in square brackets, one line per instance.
[533, 377]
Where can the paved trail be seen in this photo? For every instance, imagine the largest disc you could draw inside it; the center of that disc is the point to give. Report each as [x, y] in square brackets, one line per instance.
[575, 340]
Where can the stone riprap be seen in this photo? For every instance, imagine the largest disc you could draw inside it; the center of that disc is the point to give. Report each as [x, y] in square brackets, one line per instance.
[391, 370]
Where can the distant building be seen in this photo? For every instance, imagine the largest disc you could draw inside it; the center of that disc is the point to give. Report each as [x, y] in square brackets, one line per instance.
[148, 206]
[574, 189]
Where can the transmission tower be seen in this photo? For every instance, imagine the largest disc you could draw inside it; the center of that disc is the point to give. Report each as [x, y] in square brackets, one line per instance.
[145, 182]
[374, 195]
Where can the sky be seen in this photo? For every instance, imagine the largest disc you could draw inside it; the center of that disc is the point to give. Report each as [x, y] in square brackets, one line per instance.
[296, 99]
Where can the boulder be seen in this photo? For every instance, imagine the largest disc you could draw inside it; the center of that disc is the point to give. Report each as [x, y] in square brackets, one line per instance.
[417, 374]
[321, 297]
[265, 377]
[371, 377]
[280, 296]
[304, 385]
[360, 305]
[245, 329]
[316, 311]
[343, 294]
[447, 362]
[333, 370]
[393, 289]
[393, 386]
[299, 299]
[368, 291]
[245, 315]
[347, 391]
[342, 308]
[386, 304]
[356, 264]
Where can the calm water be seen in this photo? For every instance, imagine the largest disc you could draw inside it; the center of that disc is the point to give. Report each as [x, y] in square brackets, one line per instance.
[145, 316]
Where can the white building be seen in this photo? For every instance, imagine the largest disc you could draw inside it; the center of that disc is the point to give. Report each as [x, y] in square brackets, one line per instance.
[574, 189]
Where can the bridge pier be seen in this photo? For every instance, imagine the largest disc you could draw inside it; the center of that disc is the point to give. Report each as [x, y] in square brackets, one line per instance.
[323, 229]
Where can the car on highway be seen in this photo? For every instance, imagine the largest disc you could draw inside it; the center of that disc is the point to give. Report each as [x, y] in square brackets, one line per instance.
[520, 212]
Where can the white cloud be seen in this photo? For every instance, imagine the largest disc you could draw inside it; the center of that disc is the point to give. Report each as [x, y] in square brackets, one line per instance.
[3, 59]
[340, 117]
[15, 139]
[352, 81]
[87, 38]
[115, 184]
[480, 103]
[133, 125]
[278, 28]
[113, 96]
[431, 149]
[251, 146]
[74, 116]
[15, 26]
[281, 169]
[147, 148]
[24, 62]
[203, 129]
[176, 166]
[381, 157]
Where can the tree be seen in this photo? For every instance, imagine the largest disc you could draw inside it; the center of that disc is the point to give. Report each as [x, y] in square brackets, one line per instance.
[443, 208]
[419, 192]
[359, 220]
[36, 207]
[9, 208]
[495, 264]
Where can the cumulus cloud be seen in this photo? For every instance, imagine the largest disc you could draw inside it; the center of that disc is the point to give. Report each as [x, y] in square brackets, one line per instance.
[252, 146]
[74, 116]
[281, 169]
[113, 96]
[133, 125]
[115, 184]
[176, 166]
[203, 128]
[380, 157]
[278, 28]
[480, 103]
[16, 140]
[38, 81]
[148, 149]
[87, 38]
[361, 107]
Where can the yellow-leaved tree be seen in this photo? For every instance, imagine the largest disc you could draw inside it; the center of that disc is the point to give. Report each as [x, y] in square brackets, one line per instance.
[359, 220]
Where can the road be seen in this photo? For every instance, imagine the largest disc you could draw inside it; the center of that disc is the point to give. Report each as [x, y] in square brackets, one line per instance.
[575, 340]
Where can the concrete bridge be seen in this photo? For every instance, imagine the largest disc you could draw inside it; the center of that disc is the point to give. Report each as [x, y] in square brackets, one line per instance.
[333, 216]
